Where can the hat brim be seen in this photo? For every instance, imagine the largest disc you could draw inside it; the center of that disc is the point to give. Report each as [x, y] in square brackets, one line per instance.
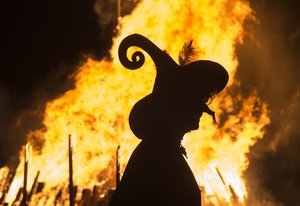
[203, 78]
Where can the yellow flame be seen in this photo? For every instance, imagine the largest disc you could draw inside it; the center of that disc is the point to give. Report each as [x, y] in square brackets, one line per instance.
[4, 172]
[97, 109]
[28, 152]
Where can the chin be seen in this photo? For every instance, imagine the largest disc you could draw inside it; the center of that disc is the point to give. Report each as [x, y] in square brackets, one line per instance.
[195, 127]
[191, 126]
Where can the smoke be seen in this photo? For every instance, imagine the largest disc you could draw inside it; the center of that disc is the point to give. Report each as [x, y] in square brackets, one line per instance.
[107, 11]
[17, 121]
[269, 63]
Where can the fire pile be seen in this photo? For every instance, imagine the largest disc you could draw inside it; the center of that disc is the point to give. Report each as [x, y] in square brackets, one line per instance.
[95, 112]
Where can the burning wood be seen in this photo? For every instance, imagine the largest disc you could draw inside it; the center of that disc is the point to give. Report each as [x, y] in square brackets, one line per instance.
[118, 172]
[18, 196]
[95, 196]
[34, 186]
[86, 197]
[234, 197]
[58, 197]
[6, 185]
[221, 177]
[26, 161]
[4, 172]
[229, 188]
[40, 187]
[118, 26]
[71, 188]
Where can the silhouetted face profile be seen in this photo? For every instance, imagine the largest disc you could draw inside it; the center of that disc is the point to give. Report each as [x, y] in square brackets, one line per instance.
[190, 114]
[184, 112]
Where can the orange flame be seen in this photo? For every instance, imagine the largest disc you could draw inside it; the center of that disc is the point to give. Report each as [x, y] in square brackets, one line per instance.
[4, 172]
[97, 109]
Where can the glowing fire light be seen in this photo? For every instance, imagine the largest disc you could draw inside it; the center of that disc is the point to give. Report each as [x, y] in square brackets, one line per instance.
[28, 152]
[4, 172]
[97, 109]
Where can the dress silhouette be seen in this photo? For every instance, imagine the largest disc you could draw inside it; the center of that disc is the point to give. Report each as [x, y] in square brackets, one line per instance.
[157, 173]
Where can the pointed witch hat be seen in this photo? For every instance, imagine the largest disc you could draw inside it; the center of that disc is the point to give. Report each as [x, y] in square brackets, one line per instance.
[196, 81]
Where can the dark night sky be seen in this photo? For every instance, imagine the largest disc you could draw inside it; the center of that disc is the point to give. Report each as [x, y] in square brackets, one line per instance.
[43, 41]
[40, 35]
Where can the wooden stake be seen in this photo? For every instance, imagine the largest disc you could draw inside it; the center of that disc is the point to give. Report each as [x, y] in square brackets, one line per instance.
[71, 188]
[33, 188]
[118, 172]
[26, 159]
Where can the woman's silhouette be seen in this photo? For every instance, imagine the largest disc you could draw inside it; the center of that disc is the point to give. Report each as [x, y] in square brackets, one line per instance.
[157, 173]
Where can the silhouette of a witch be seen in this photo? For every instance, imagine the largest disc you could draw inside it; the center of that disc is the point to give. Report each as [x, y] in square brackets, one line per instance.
[157, 174]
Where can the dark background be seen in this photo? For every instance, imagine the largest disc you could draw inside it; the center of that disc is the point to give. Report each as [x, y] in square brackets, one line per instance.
[43, 42]
[271, 66]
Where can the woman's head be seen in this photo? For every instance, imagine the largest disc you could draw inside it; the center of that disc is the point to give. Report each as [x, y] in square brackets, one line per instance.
[179, 95]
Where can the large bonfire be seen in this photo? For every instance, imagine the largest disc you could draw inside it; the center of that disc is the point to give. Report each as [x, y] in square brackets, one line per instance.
[95, 113]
